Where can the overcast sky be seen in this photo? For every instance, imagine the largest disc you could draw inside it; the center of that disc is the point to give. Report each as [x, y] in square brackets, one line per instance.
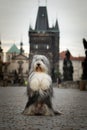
[17, 15]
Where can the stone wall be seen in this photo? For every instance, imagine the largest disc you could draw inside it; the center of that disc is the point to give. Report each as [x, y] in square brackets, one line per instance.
[69, 84]
[82, 85]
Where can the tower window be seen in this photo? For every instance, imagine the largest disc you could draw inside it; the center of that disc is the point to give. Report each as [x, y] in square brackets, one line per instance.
[36, 46]
[43, 15]
[48, 47]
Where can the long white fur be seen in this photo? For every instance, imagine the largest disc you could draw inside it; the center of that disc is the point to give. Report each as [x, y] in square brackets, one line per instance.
[40, 81]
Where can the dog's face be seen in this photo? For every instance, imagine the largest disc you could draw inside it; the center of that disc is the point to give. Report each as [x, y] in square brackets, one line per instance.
[40, 64]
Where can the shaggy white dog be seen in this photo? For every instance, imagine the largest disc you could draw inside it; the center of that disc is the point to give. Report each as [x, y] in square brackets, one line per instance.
[39, 88]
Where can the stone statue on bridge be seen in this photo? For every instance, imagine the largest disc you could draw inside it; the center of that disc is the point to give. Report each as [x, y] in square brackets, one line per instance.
[84, 63]
[67, 68]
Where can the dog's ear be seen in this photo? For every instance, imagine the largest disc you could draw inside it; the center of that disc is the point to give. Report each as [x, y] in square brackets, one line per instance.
[31, 65]
[34, 57]
[47, 63]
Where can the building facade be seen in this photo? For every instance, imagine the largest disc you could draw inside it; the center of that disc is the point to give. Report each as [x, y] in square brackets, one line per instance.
[17, 70]
[45, 40]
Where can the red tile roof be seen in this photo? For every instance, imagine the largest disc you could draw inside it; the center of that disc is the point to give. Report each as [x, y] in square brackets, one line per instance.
[62, 56]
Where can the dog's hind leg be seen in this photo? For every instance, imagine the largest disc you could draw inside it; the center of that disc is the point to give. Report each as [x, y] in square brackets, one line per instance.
[29, 110]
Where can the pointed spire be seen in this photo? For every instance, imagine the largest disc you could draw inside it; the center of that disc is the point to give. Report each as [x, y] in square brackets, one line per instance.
[21, 48]
[30, 27]
[42, 19]
[56, 26]
[1, 50]
[21, 45]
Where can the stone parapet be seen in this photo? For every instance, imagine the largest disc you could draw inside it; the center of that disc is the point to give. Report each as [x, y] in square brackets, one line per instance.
[83, 84]
[69, 84]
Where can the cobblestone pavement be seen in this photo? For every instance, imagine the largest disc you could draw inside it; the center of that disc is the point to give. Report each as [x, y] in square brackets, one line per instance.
[71, 102]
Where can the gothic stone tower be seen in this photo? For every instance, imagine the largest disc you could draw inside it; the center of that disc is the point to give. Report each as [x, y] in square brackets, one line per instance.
[45, 40]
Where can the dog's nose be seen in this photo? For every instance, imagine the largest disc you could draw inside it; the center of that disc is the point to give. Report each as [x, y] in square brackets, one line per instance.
[38, 64]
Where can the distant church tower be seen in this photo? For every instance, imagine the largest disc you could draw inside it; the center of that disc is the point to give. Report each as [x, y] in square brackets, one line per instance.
[45, 40]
